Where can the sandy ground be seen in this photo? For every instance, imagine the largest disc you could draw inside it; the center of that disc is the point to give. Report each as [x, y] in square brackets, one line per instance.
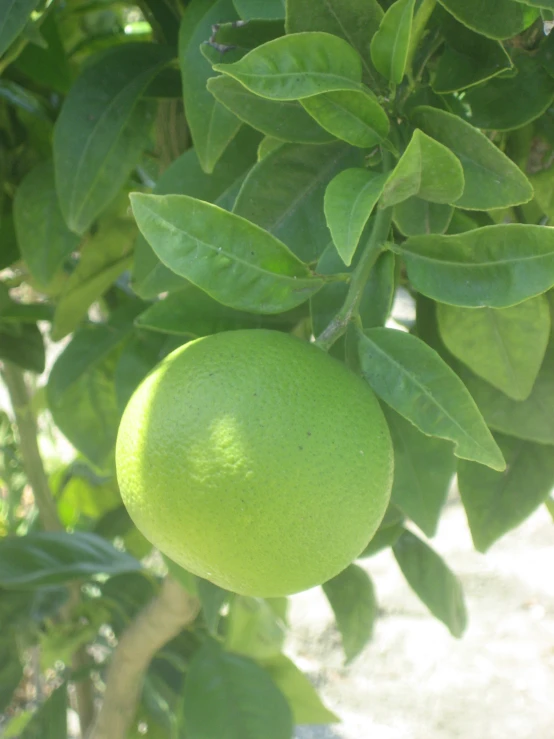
[414, 681]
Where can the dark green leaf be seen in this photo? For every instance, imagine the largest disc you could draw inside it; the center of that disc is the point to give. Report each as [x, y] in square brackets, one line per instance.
[423, 469]
[505, 347]
[230, 696]
[352, 598]
[426, 169]
[244, 37]
[260, 8]
[102, 129]
[22, 344]
[11, 670]
[45, 558]
[415, 217]
[498, 19]
[47, 66]
[241, 265]
[494, 266]
[9, 253]
[125, 595]
[391, 44]
[497, 502]
[412, 378]
[298, 66]
[50, 721]
[212, 598]
[212, 125]
[491, 179]
[432, 581]
[13, 17]
[253, 629]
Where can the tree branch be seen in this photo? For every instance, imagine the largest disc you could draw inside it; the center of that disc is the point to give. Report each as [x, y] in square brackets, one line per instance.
[160, 621]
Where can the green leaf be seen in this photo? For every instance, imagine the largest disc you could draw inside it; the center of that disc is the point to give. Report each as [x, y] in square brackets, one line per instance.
[538, 3]
[44, 239]
[50, 721]
[543, 184]
[260, 8]
[102, 129]
[185, 578]
[491, 179]
[13, 18]
[505, 347]
[426, 169]
[497, 502]
[230, 696]
[11, 670]
[48, 66]
[352, 598]
[432, 581]
[354, 116]
[415, 217]
[10, 250]
[298, 66]
[389, 531]
[412, 378]
[241, 265]
[498, 19]
[349, 201]
[356, 21]
[284, 194]
[212, 598]
[490, 106]
[301, 695]
[494, 266]
[391, 43]
[253, 629]
[22, 344]
[103, 258]
[284, 120]
[531, 419]
[212, 126]
[185, 176]
[45, 558]
[244, 37]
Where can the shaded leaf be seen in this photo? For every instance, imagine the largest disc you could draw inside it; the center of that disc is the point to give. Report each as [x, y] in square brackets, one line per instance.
[389, 531]
[253, 629]
[50, 721]
[391, 44]
[11, 670]
[260, 8]
[212, 598]
[498, 19]
[415, 217]
[22, 344]
[13, 17]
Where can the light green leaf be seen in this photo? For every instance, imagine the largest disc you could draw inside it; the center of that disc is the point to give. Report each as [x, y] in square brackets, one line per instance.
[260, 8]
[538, 3]
[212, 598]
[234, 261]
[497, 502]
[498, 19]
[415, 217]
[253, 629]
[298, 66]
[301, 695]
[14, 14]
[284, 120]
[423, 470]
[352, 598]
[354, 116]
[391, 43]
[491, 179]
[432, 581]
[230, 696]
[412, 378]
[103, 128]
[50, 721]
[211, 124]
[284, 194]
[44, 239]
[267, 145]
[349, 201]
[494, 266]
[506, 347]
[426, 169]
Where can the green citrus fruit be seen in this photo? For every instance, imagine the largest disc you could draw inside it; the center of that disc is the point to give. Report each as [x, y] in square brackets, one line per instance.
[256, 461]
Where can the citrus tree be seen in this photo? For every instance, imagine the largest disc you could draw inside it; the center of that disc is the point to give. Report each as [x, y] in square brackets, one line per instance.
[302, 168]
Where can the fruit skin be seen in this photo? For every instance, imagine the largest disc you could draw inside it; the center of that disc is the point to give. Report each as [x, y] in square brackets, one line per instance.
[255, 460]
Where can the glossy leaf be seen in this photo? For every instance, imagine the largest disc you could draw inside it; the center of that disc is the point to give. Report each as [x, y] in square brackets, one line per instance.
[491, 179]
[432, 581]
[185, 176]
[353, 116]
[43, 236]
[423, 470]
[45, 558]
[260, 8]
[229, 695]
[13, 17]
[391, 43]
[253, 629]
[498, 19]
[241, 265]
[211, 124]
[102, 130]
[283, 120]
[412, 378]
[496, 502]
[352, 598]
[301, 695]
[415, 217]
[506, 347]
[284, 194]
[494, 266]
[298, 66]
[356, 21]
[349, 201]
[426, 169]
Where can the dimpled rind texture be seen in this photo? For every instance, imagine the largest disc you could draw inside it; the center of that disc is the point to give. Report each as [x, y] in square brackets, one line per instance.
[255, 460]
